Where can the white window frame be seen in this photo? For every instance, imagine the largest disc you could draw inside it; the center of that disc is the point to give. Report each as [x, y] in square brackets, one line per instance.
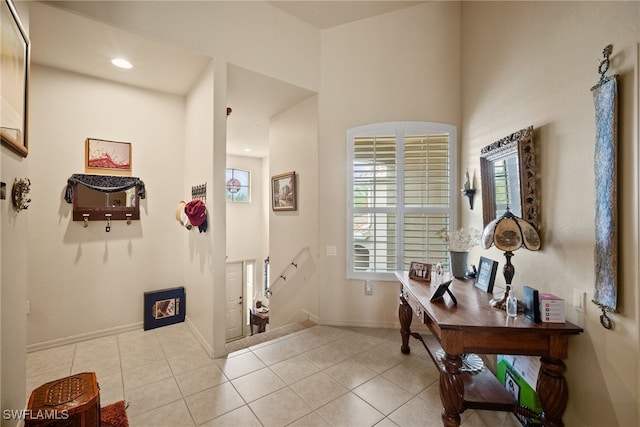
[400, 129]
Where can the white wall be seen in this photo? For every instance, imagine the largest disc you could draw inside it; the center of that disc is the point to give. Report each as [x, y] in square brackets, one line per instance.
[198, 169]
[293, 146]
[13, 293]
[13, 278]
[84, 280]
[246, 233]
[400, 66]
[533, 63]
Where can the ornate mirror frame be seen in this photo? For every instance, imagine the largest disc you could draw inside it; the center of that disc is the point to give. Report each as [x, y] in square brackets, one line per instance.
[521, 145]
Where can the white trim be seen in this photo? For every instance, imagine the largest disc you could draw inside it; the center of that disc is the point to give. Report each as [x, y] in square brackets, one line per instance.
[44, 345]
[203, 342]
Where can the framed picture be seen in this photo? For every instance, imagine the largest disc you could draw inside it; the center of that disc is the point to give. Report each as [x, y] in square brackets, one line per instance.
[486, 274]
[283, 192]
[238, 186]
[107, 157]
[441, 290]
[512, 386]
[164, 307]
[420, 271]
[14, 84]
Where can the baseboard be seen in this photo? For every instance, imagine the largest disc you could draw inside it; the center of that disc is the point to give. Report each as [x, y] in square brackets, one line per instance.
[43, 345]
[359, 324]
[203, 342]
[313, 317]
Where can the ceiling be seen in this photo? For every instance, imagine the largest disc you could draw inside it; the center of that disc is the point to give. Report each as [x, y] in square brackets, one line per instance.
[84, 46]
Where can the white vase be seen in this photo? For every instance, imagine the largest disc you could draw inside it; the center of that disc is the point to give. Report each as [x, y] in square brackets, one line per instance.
[458, 264]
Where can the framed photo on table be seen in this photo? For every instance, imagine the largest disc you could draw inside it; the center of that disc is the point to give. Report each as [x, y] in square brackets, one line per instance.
[420, 271]
[486, 274]
[14, 84]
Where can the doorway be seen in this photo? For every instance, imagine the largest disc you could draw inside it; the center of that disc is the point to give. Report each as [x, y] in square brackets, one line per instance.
[240, 284]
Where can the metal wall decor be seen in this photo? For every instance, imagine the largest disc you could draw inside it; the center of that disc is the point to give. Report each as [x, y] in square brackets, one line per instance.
[606, 171]
[19, 194]
[199, 192]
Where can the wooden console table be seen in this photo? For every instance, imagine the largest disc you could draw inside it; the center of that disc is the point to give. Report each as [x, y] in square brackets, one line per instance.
[473, 326]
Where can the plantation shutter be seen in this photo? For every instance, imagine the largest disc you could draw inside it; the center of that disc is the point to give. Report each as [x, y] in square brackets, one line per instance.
[399, 197]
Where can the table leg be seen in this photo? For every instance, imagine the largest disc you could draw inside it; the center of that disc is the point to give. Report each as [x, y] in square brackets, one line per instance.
[552, 390]
[405, 315]
[451, 390]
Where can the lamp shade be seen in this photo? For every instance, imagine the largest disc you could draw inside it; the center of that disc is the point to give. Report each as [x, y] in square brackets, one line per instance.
[509, 233]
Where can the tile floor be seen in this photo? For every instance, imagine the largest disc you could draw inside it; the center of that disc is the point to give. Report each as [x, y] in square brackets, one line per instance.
[320, 376]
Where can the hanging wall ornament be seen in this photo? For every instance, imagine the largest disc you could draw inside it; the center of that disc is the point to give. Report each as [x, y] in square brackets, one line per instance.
[606, 215]
[19, 194]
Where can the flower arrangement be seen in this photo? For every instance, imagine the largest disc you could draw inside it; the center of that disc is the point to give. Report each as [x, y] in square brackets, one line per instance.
[460, 240]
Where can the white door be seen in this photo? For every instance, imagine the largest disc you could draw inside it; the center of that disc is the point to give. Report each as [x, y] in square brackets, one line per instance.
[235, 300]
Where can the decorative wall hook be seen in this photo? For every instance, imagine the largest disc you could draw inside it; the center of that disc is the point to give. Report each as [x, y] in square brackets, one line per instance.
[85, 218]
[21, 188]
[603, 67]
[199, 192]
[108, 227]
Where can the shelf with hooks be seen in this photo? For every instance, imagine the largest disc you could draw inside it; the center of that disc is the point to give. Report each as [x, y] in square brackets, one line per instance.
[199, 192]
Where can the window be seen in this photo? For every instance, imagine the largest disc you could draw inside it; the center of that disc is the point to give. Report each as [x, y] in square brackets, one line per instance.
[401, 191]
[237, 182]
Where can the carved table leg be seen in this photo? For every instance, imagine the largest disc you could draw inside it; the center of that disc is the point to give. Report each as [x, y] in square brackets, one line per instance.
[552, 390]
[405, 315]
[451, 390]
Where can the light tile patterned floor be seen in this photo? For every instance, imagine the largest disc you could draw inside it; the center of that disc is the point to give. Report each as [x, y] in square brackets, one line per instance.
[319, 376]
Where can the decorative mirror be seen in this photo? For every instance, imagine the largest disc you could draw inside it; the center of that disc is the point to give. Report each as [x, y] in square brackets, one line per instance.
[100, 197]
[508, 174]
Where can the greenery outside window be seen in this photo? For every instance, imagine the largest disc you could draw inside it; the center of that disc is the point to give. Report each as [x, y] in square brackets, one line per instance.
[401, 191]
[238, 186]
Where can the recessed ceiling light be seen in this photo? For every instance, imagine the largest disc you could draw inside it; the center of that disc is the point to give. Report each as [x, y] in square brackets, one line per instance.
[121, 63]
[247, 150]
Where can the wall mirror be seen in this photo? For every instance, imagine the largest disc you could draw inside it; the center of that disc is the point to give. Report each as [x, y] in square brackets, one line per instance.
[100, 197]
[508, 174]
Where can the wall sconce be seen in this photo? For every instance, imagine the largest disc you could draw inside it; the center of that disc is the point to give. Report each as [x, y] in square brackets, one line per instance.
[468, 189]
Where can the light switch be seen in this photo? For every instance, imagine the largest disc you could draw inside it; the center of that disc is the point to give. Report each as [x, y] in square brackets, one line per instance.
[579, 300]
[368, 288]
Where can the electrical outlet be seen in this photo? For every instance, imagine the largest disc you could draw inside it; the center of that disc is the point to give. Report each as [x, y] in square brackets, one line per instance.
[579, 300]
[368, 288]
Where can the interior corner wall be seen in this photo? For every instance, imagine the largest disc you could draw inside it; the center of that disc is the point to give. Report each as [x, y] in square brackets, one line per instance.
[516, 75]
[197, 255]
[398, 66]
[293, 146]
